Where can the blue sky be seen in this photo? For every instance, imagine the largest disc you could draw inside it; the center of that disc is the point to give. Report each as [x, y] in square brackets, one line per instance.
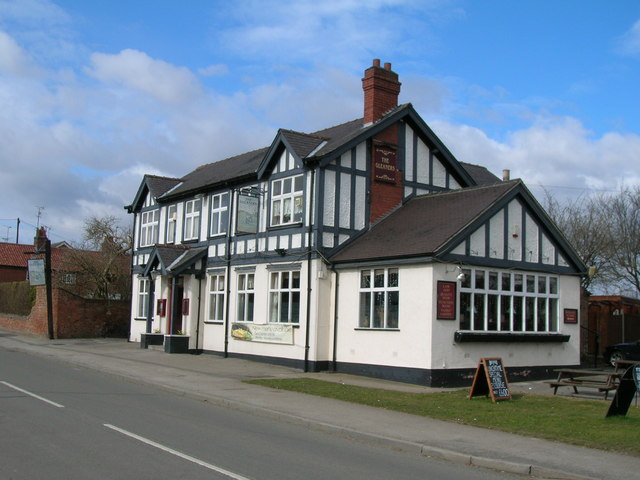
[95, 94]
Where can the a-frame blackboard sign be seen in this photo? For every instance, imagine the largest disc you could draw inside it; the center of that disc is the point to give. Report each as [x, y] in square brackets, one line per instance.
[490, 379]
[629, 386]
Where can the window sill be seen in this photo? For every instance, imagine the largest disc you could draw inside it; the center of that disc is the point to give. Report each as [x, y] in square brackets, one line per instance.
[140, 319]
[516, 337]
[294, 325]
[364, 329]
[214, 322]
[282, 226]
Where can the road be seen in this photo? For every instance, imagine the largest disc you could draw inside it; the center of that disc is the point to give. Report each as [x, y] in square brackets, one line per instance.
[59, 421]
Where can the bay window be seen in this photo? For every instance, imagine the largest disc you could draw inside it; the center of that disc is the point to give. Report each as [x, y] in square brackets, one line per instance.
[506, 301]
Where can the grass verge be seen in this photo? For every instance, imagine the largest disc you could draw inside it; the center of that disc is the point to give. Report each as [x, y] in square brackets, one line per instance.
[568, 420]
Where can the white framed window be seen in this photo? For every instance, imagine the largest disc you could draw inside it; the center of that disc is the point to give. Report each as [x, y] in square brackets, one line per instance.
[143, 298]
[287, 200]
[172, 217]
[216, 297]
[149, 227]
[508, 301]
[379, 298]
[246, 294]
[192, 219]
[284, 297]
[219, 214]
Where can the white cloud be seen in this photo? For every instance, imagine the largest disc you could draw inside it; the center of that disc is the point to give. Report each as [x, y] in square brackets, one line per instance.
[138, 71]
[214, 70]
[13, 59]
[629, 43]
[557, 154]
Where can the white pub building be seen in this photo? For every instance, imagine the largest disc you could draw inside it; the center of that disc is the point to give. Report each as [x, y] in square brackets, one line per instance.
[364, 248]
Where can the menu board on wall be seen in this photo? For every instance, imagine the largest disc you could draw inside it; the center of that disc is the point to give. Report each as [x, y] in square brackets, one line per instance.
[446, 301]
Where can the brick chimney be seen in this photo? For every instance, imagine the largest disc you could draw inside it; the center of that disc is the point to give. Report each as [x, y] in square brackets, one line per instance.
[381, 89]
[40, 240]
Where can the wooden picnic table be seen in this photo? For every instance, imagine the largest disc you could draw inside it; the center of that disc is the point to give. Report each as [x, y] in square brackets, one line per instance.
[624, 364]
[603, 380]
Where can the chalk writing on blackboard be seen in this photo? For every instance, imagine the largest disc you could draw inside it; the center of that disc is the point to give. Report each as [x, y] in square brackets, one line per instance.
[490, 379]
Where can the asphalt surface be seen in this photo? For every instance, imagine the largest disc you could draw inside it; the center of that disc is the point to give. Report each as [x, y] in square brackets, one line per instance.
[219, 380]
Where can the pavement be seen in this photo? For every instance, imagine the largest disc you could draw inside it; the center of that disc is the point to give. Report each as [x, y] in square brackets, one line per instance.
[220, 381]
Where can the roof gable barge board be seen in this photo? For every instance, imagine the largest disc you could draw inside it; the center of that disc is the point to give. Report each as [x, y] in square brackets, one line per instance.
[154, 185]
[299, 145]
[407, 113]
[163, 256]
[530, 206]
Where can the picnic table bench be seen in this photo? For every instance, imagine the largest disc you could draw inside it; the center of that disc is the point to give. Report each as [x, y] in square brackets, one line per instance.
[602, 380]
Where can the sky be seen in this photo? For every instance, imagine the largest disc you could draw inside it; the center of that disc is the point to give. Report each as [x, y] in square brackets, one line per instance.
[93, 95]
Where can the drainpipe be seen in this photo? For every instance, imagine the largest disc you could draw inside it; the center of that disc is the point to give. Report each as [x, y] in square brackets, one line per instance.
[334, 359]
[198, 351]
[310, 240]
[228, 276]
[169, 311]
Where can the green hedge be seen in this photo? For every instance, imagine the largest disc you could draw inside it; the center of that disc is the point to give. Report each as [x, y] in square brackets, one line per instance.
[17, 298]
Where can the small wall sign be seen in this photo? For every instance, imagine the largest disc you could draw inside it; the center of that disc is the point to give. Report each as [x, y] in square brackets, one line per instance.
[161, 307]
[570, 315]
[446, 307]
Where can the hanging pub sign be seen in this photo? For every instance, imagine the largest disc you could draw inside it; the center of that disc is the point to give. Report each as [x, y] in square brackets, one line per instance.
[247, 219]
[36, 272]
[490, 379]
[385, 163]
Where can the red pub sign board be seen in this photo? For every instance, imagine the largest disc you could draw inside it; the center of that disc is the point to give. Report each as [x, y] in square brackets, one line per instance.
[385, 164]
[446, 301]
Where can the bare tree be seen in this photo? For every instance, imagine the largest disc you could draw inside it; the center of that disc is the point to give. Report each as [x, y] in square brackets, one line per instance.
[102, 262]
[622, 214]
[605, 231]
[583, 224]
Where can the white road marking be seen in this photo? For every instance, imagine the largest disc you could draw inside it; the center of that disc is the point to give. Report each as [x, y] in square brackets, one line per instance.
[32, 394]
[176, 453]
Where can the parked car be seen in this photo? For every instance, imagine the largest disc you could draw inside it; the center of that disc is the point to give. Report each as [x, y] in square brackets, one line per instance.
[622, 351]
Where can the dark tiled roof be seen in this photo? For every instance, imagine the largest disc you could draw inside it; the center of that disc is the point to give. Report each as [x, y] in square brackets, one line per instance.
[480, 174]
[169, 253]
[302, 143]
[160, 185]
[424, 224]
[217, 173]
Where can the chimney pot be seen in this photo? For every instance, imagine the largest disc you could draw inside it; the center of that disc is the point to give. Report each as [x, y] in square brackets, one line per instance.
[387, 66]
[506, 175]
[376, 62]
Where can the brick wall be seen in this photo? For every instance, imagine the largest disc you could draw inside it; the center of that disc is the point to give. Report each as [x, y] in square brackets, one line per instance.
[73, 317]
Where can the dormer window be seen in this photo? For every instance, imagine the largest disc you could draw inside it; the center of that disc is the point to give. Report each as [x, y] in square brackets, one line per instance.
[287, 200]
[192, 219]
